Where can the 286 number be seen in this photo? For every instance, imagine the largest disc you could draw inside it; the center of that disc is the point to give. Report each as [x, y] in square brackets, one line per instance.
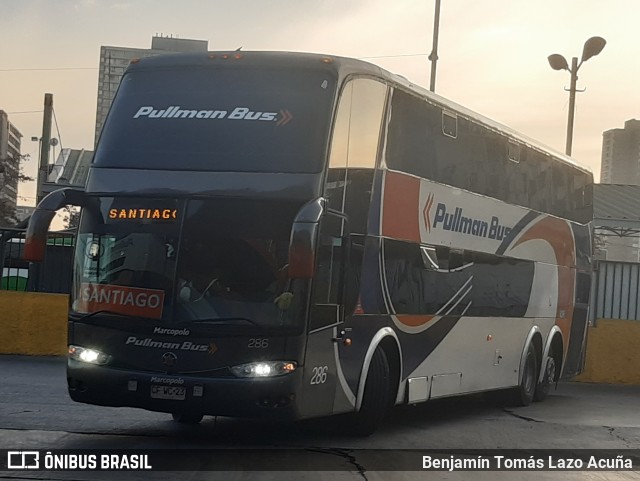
[258, 343]
[319, 375]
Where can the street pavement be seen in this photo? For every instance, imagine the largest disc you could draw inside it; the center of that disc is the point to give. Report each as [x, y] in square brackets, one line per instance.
[36, 413]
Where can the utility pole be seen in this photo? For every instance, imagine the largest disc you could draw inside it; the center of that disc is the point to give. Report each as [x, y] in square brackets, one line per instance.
[45, 140]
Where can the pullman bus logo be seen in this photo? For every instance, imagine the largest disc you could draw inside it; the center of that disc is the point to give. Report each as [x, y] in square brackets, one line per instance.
[457, 221]
[426, 212]
[283, 117]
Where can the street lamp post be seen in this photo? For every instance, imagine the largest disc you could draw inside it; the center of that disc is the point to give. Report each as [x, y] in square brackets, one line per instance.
[592, 47]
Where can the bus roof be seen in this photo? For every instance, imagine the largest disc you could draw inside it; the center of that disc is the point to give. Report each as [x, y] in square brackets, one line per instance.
[342, 66]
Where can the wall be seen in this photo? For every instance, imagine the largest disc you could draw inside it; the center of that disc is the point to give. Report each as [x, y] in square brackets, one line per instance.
[33, 323]
[613, 353]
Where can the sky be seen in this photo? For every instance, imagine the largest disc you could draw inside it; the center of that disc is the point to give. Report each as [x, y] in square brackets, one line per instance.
[492, 55]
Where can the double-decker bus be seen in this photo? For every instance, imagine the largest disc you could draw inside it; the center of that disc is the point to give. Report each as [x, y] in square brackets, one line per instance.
[297, 235]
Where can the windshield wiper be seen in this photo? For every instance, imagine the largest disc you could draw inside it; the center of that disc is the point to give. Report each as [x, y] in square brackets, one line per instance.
[223, 320]
[114, 313]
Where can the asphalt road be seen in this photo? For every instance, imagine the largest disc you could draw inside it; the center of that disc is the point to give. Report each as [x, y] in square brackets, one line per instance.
[36, 413]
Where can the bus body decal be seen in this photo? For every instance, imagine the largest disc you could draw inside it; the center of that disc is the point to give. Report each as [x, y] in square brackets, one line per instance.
[401, 197]
[559, 235]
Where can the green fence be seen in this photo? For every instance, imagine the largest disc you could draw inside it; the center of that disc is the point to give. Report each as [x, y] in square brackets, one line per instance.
[53, 275]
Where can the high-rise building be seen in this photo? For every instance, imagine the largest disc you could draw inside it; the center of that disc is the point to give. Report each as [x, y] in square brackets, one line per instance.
[9, 160]
[114, 61]
[621, 155]
[616, 222]
[70, 168]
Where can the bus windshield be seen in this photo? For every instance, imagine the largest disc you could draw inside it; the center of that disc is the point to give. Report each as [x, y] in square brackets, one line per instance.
[233, 263]
[219, 119]
[210, 261]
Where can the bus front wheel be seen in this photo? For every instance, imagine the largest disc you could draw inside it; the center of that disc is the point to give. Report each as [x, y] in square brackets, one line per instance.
[376, 397]
[525, 391]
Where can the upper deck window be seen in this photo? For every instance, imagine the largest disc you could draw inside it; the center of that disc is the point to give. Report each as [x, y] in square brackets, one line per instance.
[227, 119]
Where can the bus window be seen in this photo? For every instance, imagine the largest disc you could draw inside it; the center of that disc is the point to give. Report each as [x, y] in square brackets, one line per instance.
[354, 147]
[125, 257]
[329, 282]
[339, 155]
[367, 105]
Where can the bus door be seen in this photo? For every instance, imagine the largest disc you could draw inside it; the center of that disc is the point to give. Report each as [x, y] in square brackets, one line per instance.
[326, 316]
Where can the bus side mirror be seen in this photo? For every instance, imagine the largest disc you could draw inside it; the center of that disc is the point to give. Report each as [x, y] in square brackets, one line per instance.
[36, 238]
[304, 238]
[35, 241]
[302, 250]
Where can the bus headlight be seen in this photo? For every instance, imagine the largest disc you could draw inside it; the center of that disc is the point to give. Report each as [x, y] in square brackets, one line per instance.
[90, 356]
[264, 369]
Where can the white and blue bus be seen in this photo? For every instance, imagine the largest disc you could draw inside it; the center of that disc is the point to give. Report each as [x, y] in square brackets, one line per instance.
[296, 235]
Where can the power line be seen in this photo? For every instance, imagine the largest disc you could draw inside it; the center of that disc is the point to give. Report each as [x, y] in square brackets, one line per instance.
[55, 119]
[26, 112]
[45, 69]
[400, 55]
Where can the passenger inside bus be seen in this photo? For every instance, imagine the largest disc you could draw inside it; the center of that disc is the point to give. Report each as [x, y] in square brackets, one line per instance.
[230, 278]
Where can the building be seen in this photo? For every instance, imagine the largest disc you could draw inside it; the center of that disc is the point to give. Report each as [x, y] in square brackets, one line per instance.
[24, 211]
[71, 168]
[10, 139]
[114, 61]
[621, 155]
[616, 222]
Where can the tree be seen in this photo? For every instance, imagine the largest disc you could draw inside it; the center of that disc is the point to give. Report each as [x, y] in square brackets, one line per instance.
[10, 176]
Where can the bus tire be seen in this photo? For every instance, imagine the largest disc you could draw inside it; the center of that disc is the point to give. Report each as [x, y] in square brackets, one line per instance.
[544, 386]
[187, 418]
[376, 397]
[524, 393]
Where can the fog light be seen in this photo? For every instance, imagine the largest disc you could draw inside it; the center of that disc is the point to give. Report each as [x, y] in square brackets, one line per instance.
[264, 369]
[90, 356]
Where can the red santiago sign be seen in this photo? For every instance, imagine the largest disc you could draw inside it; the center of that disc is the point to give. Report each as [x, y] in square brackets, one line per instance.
[125, 300]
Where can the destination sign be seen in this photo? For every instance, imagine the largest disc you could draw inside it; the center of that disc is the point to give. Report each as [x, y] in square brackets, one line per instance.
[143, 214]
[134, 301]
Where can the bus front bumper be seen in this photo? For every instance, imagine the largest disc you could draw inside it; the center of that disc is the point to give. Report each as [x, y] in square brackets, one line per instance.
[273, 397]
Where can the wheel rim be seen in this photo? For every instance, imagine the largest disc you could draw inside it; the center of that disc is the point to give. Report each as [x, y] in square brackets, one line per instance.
[551, 371]
[529, 381]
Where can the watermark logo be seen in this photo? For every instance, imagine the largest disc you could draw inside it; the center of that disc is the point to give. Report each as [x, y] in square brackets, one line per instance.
[23, 460]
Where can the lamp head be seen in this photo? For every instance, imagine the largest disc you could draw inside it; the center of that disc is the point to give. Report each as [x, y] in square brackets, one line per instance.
[592, 47]
[558, 62]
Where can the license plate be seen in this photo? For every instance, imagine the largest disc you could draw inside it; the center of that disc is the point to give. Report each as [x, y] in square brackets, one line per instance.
[175, 393]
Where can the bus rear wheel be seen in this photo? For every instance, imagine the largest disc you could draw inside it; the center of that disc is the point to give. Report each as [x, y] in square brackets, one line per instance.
[187, 418]
[376, 398]
[544, 386]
